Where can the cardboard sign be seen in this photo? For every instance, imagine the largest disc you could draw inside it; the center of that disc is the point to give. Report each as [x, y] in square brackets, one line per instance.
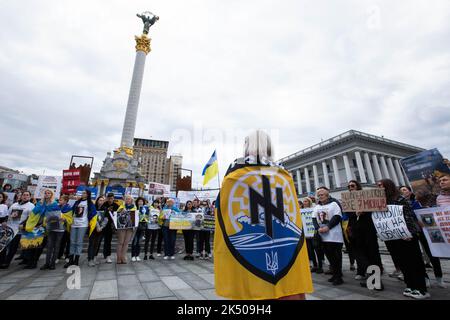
[308, 226]
[436, 229]
[180, 222]
[366, 200]
[391, 224]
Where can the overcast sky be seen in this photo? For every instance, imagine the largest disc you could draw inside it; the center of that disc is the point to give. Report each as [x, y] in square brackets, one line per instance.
[301, 70]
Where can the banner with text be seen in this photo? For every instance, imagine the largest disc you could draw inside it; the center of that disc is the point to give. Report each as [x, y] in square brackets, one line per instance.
[308, 226]
[48, 182]
[436, 229]
[391, 224]
[366, 200]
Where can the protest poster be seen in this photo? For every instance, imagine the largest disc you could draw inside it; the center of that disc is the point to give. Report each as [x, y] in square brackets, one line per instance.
[53, 221]
[71, 180]
[118, 191]
[134, 192]
[102, 220]
[423, 171]
[209, 222]
[153, 223]
[48, 182]
[210, 195]
[197, 220]
[125, 219]
[391, 224]
[367, 200]
[6, 235]
[180, 222]
[308, 226]
[436, 228]
[93, 191]
[10, 198]
[159, 189]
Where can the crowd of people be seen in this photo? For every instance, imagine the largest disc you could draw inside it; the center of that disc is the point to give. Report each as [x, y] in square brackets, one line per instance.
[62, 229]
[335, 228]
[63, 234]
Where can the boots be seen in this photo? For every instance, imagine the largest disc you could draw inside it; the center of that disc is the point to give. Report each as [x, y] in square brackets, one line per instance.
[77, 258]
[70, 262]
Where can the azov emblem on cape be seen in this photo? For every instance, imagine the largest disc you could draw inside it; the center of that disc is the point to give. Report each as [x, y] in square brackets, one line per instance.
[262, 222]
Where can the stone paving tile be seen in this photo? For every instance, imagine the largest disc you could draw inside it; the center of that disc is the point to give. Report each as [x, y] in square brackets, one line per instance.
[196, 269]
[147, 276]
[34, 290]
[188, 294]
[164, 271]
[39, 283]
[156, 289]
[6, 286]
[76, 294]
[125, 269]
[35, 296]
[9, 280]
[130, 288]
[210, 294]
[104, 289]
[106, 275]
[175, 283]
[195, 281]
[208, 277]
[166, 298]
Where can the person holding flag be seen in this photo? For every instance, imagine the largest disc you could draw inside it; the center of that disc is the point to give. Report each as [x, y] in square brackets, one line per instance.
[211, 169]
[259, 244]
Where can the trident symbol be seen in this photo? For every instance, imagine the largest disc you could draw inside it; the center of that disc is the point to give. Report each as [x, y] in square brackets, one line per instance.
[272, 262]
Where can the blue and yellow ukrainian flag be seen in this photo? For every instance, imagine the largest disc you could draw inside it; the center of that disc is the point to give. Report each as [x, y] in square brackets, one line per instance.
[211, 169]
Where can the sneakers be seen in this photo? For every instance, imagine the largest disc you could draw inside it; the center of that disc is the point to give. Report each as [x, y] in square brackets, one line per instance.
[145, 257]
[91, 263]
[158, 255]
[166, 257]
[133, 259]
[440, 283]
[416, 294]
[338, 282]
[108, 260]
[172, 258]
[407, 292]
[138, 259]
[359, 277]
[151, 257]
[400, 277]
[56, 261]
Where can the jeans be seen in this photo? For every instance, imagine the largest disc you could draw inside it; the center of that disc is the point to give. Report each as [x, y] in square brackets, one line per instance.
[333, 251]
[94, 244]
[135, 244]
[53, 242]
[204, 241]
[123, 239]
[189, 241]
[170, 237]
[76, 240]
[150, 237]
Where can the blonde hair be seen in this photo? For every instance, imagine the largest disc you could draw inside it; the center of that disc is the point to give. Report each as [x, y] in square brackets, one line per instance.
[259, 146]
[52, 197]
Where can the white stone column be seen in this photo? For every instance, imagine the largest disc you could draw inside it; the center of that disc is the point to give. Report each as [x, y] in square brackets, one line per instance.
[325, 174]
[362, 174]
[399, 172]
[299, 182]
[316, 177]
[376, 166]
[308, 183]
[336, 172]
[369, 168]
[392, 171]
[348, 171]
[384, 168]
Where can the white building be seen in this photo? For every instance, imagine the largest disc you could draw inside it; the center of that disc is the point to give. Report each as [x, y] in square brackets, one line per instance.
[351, 155]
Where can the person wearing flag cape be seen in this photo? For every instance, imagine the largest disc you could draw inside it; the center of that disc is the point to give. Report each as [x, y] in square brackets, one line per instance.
[259, 245]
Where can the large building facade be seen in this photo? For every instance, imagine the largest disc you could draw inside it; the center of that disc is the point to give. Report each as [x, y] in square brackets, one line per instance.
[155, 165]
[351, 155]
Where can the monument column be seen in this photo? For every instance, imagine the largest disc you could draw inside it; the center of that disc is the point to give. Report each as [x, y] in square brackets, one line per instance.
[142, 49]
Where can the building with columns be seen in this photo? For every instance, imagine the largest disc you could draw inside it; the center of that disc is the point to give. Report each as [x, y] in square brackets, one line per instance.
[352, 155]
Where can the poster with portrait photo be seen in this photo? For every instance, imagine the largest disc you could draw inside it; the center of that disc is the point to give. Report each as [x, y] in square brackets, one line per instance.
[322, 218]
[153, 220]
[127, 219]
[436, 229]
[16, 214]
[79, 211]
[6, 235]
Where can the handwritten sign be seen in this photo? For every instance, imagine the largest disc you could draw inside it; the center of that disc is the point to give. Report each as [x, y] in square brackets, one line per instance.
[436, 229]
[391, 224]
[366, 200]
[308, 226]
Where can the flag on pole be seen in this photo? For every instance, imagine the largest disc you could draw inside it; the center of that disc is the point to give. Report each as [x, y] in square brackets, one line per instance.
[211, 169]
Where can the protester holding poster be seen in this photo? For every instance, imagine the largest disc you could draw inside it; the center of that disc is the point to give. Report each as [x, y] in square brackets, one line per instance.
[204, 235]
[84, 218]
[188, 234]
[95, 238]
[18, 214]
[66, 210]
[170, 236]
[126, 215]
[109, 207]
[153, 232]
[314, 242]
[144, 213]
[406, 252]
[3, 207]
[443, 198]
[435, 262]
